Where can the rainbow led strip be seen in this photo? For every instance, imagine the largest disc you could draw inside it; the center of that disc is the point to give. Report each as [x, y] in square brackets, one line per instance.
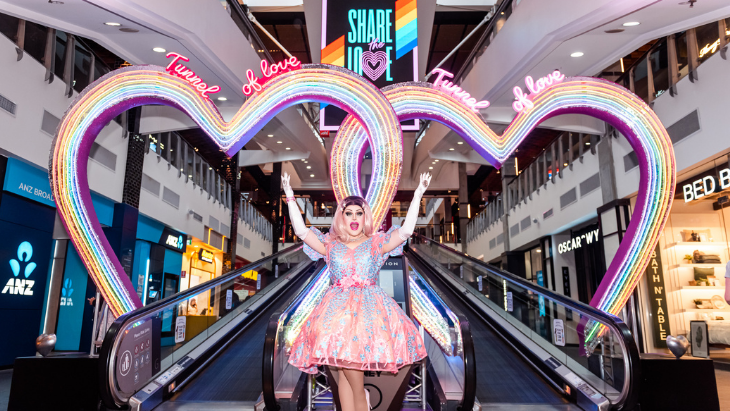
[296, 320]
[581, 95]
[406, 27]
[129, 87]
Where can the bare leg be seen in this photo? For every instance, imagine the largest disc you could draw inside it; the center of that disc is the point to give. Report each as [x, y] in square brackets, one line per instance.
[345, 391]
[355, 379]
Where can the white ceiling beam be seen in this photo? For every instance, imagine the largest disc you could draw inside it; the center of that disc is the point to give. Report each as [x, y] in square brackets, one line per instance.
[256, 157]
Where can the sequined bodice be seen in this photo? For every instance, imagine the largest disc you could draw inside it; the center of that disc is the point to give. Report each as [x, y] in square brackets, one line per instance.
[360, 265]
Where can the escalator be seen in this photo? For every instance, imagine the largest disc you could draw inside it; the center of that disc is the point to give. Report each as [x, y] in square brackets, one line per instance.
[524, 360]
[165, 357]
[494, 341]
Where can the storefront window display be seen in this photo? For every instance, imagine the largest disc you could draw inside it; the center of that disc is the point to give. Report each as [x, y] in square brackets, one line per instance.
[693, 254]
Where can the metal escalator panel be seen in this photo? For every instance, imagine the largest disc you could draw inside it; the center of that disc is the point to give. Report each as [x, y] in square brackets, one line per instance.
[148, 352]
[449, 371]
[542, 326]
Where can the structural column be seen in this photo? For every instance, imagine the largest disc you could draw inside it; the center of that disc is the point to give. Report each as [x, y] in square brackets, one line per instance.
[463, 206]
[232, 177]
[275, 197]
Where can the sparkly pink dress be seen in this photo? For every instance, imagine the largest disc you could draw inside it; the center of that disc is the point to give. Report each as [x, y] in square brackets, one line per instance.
[356, 325]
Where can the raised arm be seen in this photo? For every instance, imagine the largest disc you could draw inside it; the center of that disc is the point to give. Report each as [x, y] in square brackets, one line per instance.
[406, 230]
[300, 229]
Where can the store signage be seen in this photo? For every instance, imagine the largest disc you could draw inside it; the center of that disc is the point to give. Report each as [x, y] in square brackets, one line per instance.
[66, 292]
[558, 332]
[257, 84]
[377, 39]
[28, 181]
[21, 286]
[709, 48]
[541, 299]
[457, 91]
[180, 324]
[706, 186]
[205, 255]
[523, 103]
[172, 239]
[577, 242]
[658, 299]
[189, 75]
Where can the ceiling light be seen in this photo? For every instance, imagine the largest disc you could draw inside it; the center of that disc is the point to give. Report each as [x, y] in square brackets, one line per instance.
[433, 162]
[631, 23]
[577, 54]
[303, 160]
[311, 175]
[270, 135]
[288, 148]
[222, 99]
[565, 164]
[309, 167]
[306, 162]
[113, 24]
[278, 142]
[436, 161]
[159, 50]
[588, 144]
[451, 149]
[460, 142]
[430, 168]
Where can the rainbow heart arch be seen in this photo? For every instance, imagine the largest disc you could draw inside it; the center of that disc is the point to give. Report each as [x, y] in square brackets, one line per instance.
[373, 119]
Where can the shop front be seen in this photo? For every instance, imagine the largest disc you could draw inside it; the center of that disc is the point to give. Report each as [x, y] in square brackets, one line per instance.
[27, 217]
[684, 286]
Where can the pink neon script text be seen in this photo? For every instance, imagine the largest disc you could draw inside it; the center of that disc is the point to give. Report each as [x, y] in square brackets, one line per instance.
[189, 75]
[523, 101]
[457, 91]
[256, 84]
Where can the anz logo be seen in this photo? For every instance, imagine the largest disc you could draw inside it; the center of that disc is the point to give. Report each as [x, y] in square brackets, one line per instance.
[176, 242]
[21, 286]
[66, 292]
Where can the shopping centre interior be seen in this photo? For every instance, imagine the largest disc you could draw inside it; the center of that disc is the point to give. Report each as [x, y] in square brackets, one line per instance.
[572, 251]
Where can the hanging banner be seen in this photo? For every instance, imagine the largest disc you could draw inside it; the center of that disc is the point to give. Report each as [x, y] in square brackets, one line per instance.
[377, 39]
[658, 299]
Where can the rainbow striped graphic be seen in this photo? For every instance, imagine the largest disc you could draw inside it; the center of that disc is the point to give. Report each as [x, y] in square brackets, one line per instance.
[595, 97]
[334, 53]
[406, 27]
[129, 87]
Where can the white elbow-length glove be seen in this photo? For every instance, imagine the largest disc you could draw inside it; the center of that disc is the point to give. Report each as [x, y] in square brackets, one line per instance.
[297, 223]
[409, 224]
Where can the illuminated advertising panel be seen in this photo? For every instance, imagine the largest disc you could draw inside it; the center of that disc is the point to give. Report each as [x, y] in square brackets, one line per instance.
[377, 39]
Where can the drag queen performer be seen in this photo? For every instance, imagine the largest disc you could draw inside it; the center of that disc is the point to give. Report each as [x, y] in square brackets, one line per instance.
[356, 326]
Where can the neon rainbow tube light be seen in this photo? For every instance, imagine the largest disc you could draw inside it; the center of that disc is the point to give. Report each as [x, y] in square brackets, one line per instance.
[129, 87]
[598, 98]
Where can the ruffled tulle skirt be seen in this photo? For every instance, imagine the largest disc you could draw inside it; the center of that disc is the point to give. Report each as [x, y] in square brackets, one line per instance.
[359, 328]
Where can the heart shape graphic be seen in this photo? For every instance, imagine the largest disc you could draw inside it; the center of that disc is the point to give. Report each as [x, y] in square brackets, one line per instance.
[129, 87]
[374, 63]
[598, 98]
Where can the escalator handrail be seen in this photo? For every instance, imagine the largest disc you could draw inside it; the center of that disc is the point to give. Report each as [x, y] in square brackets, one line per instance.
[629, 395]
[108, 347]
[272, 328]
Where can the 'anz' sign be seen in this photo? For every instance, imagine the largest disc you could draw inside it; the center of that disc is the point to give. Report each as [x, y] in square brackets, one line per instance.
[577, 242]
[21, 286]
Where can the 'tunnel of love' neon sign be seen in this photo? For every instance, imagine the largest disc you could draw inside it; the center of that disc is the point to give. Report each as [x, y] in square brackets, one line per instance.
[457, 91]
[189, 75]
[523, 102]
[256, 84]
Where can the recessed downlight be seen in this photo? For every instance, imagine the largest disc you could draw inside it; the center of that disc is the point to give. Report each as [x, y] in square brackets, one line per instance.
[158, 50]
[288, 148]
[576, 54]
[430, 168]
[460, 143]
[270, 135]
[113, 24]
[311, 175]
[436, 161]
[451, 149]
[279, 142]
[631, 23]
[222, 99]
[309, 167]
